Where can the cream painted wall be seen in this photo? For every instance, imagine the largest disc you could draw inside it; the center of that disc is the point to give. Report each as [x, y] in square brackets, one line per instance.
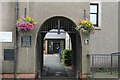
[106, 39]
[41, 12]
[8, 21]
[1, 56]
[119, 26]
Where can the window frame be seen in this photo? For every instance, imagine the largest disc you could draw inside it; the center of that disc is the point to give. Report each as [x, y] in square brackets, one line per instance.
[97, 14]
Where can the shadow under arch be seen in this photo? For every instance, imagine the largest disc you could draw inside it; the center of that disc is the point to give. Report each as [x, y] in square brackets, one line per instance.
[69, 26]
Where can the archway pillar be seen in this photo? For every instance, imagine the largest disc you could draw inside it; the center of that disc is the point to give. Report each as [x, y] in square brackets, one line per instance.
[85, 41]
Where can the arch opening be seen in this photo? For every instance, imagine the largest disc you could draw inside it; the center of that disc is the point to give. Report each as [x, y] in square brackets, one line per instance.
[59, 23]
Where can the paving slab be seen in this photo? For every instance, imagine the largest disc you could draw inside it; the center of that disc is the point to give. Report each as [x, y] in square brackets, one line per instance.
[55, 67]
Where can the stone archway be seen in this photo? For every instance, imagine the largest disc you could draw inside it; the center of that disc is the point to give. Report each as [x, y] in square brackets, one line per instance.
[77, 42]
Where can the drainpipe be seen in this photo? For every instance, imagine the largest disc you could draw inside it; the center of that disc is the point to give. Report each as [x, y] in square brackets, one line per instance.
[58, 27]
[84, 14]
[15, 42]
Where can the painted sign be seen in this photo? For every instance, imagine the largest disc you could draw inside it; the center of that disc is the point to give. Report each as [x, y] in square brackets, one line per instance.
[5, 36]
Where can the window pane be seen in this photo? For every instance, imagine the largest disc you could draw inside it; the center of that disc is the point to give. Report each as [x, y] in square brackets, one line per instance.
[93, 8]
[93, 18]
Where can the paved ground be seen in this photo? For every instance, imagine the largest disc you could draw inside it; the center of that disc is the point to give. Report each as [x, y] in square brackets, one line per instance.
[53, 66]
[55, 69]
[104, 75]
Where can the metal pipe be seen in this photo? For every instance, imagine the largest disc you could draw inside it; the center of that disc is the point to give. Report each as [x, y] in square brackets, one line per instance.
[111, 63]
[58, 26]
[25, 12]
[84, 14]
[118, 66]
[17, 8]
[92, 66]
[16, 34]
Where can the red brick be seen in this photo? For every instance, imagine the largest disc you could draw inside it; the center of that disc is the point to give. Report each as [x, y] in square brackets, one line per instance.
[26, 75]
[19, 75]
[8, 76]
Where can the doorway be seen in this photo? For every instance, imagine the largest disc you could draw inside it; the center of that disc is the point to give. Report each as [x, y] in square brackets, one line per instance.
[56, 47]
[67, 25]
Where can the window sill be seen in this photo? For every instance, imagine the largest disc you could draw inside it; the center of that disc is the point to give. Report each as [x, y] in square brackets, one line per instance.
[97, 28]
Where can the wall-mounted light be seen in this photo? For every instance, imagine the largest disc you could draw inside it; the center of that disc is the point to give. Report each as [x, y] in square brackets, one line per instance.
[86, 42]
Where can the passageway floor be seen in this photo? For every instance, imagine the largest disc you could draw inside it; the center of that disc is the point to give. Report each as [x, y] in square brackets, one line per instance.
[54, 68]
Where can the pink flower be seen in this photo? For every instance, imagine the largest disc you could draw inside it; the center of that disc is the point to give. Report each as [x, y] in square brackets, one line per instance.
[31, 28]
[82, 29]
[30, 24]
[80, 20]
[90, 23]
[93, 27]
[22, 16]
[16, 24]
[19, 28]
[86, 19]
[25, 28]
[94, 32]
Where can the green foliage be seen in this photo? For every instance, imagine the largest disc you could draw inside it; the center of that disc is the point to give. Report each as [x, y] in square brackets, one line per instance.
[103, 70]
[115, 73]
[67, 57]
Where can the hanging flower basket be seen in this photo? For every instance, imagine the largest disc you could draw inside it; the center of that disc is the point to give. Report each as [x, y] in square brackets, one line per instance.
[25, 24]
[86, 27]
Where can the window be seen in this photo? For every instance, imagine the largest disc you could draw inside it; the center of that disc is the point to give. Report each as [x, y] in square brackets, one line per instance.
[94, 13]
